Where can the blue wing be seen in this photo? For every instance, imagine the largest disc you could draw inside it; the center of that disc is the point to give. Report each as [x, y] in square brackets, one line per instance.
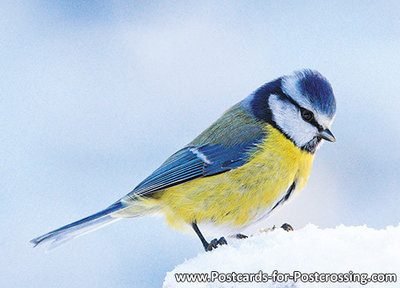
[194, 162]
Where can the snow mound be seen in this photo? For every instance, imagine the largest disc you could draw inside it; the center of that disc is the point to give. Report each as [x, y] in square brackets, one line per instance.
[347, 252]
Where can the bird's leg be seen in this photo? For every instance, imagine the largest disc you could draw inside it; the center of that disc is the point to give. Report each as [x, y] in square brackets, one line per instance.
[213, 243]
[202, 239]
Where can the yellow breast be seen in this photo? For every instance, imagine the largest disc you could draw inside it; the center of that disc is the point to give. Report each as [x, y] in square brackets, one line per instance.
[238, 196]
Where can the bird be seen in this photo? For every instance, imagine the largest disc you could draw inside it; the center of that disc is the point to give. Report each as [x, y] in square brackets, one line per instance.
[238, 171]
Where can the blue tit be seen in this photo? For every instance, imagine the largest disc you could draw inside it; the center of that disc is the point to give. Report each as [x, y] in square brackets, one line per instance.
[238, 171]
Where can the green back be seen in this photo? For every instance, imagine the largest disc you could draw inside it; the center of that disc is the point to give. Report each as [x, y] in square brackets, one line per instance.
[234, 127]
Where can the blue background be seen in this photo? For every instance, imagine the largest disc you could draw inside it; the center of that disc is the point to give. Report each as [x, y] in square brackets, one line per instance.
[95, 95]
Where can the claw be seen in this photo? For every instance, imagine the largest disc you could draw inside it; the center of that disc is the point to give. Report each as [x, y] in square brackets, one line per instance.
[241, 236]
[287, 227]
[212, 245]
[215, 243]
[222, 241]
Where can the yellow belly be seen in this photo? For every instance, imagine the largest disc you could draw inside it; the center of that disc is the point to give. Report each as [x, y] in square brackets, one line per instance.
[238, 196]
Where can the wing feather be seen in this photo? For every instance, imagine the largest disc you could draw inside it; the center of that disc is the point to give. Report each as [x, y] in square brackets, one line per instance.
[194, 162]
[225, 145]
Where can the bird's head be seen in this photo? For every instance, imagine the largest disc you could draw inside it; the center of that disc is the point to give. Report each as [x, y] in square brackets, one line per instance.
[302, 106]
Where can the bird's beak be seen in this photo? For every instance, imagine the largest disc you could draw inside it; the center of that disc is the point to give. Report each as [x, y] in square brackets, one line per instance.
[327, 135]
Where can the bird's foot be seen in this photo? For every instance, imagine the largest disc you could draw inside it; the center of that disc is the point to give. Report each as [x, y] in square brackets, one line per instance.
[241, 236]
[215, 243]
[287, 227]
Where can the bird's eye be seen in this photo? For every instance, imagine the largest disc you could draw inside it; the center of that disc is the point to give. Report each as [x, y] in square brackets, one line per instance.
[307, 115]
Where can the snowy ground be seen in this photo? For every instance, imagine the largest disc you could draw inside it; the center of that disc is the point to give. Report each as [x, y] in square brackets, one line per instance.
[308, 250]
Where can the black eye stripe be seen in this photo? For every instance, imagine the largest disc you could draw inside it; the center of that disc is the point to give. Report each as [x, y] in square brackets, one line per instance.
[313, 121]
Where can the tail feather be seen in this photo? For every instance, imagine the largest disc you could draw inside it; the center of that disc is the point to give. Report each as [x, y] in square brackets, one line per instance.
[78, 228]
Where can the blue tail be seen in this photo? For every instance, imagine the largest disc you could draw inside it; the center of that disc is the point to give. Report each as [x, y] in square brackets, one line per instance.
[78, 228]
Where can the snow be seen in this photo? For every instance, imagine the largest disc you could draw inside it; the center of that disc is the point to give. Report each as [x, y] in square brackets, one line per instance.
[334, 250]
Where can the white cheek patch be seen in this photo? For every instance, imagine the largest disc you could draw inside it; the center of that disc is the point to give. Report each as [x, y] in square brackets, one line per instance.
[288, 118]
